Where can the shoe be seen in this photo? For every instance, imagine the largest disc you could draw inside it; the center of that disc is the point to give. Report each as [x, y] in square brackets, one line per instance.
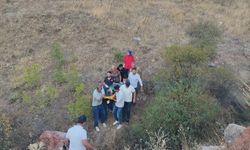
[115, 123]
[119, 127]
[104, 125]
[97, 129]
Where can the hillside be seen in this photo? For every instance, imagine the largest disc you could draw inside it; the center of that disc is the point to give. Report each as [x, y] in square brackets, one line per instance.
[91, 32]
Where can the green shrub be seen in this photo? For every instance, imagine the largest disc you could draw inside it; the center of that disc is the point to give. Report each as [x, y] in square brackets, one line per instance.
[59, 76]
[72, 78]
[58, 56]
[205, 35]
[31, 76]
[80, 104]
[119, 57]
[5, 132]
[185, 61]
[180, 105]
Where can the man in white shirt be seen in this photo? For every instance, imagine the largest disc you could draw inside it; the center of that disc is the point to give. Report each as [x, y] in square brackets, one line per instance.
[77, 136]
[129, 97]
[98, 108]
[119, 104]
[134, 79]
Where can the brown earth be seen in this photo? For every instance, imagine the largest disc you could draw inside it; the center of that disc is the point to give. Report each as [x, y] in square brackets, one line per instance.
[92, 31]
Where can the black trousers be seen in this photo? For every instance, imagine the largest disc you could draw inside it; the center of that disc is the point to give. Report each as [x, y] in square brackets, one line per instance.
[126, 111]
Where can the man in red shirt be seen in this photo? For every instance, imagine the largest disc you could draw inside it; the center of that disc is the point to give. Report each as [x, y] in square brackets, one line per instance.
[128, 61]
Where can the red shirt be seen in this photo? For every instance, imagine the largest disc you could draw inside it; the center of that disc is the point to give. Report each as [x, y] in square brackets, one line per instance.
[128, 60]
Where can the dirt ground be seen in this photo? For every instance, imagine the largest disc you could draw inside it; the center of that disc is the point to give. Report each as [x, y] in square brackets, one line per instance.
[92, 31]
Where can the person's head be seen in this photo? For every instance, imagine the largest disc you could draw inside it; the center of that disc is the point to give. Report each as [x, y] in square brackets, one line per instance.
[134, 70]
[99, 88]
[113, 68]
[120, 66]
[117, 88]
[81, 119]
[127, 83]
[109, 73]
[130, 52]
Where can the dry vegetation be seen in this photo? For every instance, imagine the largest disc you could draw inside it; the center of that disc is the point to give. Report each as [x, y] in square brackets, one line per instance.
[91, 31]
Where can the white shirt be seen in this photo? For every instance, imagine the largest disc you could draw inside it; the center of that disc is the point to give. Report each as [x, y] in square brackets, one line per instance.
[97, 97]
[134, 79]
[119, 99]
[75, 135]
[128, 92]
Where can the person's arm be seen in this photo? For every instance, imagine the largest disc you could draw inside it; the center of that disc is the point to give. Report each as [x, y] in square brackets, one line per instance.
[88, 145]
[140, 81]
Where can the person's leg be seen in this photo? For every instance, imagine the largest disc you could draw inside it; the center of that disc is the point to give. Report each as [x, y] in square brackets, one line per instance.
[128, 110]
[95, 115]
[119, 115]
[115, 113]
[124, 111]
[103, 114]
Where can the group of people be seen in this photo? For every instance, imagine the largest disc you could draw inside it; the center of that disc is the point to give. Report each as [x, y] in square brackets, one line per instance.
[117, 93]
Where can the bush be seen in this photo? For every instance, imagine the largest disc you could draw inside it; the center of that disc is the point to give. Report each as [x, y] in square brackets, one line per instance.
[72, 78]
[185, 61]
[5, 132]
[31, 76]
[119, 57]
[80, 104]
[59, 76]
[58, 56]
[204, 35]
[181, 105]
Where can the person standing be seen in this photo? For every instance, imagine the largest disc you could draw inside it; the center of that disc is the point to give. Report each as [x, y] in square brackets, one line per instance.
[116, 75]
[128, 61]
[108, 84]
[98, 108]
[134, 79]
[117, 111]
[77, 136]
[129, 97]
[123, 72]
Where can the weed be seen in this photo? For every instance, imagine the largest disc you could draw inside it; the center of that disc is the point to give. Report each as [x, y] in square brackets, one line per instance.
[57, 55]
[118, 57]
[5, 132]
[31, 76]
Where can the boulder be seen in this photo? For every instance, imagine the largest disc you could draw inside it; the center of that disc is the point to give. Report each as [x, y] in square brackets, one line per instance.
[231, 132]
[54, 140]
[242, 142]
[212, 148]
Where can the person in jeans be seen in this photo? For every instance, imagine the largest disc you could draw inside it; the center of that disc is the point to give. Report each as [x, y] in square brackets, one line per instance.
[129, 97]
[134, 79]
[117, 111]
[97, 107]
[77, 136]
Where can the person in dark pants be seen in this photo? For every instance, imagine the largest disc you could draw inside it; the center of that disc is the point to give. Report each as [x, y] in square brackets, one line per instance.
[123, 72]
[129, 97]
[98, 108]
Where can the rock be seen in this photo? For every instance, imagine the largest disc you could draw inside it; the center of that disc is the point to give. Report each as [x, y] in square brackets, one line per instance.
[53, 139]
[242, 142]
[212, 148]
[37, 146]
[231, 132]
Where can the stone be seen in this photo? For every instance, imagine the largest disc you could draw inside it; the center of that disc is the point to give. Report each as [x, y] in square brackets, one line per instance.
[231, 132]
[212, 148]
[242, 142]
[54, 140]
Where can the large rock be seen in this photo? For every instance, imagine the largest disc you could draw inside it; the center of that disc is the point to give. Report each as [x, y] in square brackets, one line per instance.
[54, 140]
[231, 132]
[212, 148]
[242, 142]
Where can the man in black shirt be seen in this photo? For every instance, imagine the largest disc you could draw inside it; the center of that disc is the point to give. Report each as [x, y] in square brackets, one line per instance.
[123, 72]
